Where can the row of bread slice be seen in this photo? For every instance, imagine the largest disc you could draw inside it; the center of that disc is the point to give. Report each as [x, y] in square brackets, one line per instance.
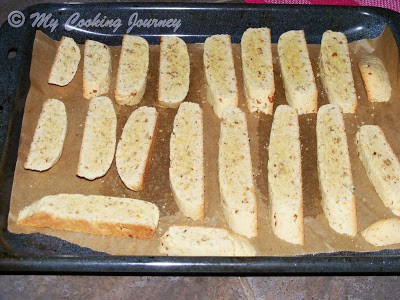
[132, 69]
[99, 141]
[285, 174]
[174, 71]
[334, 173]
[235, 167]
[296, 71]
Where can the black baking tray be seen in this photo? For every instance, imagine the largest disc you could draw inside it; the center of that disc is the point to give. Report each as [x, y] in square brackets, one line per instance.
[37, 253]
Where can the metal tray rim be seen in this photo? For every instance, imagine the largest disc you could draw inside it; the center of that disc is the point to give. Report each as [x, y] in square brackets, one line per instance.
[382, 262]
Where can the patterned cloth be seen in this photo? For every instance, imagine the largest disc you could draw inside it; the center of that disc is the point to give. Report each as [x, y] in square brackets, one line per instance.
[392, 4]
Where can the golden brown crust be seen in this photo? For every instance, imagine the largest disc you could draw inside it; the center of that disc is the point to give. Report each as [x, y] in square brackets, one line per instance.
[158, 94]
[375, 79]
[44, 220]
[203, 187]
[119, 67]
[147, 166]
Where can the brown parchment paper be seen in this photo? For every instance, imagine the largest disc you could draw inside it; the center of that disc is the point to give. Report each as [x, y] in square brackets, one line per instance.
[30, 186]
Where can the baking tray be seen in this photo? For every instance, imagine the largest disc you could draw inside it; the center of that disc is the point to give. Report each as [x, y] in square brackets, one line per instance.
[194, 22]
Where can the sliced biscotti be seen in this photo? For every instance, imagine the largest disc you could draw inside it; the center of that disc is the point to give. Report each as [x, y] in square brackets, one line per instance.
[173, 84]
[381, 164]
[375, 78]
[334, 171]
[132, 70]
[235, 174]
[383, 232]
[258, 73]
[335, 71]
[133, 150]
[99, 139]
[65, 63]
[220, 73]
[204, 241]
[122, 217]
[284, 176]
[96, 69]
[48, 139]
[186, 170]
[297, 75]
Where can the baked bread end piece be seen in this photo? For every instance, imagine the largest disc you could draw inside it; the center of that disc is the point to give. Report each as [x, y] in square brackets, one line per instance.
[65, 63]
[375, 78]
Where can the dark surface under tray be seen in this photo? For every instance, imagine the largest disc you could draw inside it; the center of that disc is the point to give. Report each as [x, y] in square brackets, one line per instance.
[45, 254]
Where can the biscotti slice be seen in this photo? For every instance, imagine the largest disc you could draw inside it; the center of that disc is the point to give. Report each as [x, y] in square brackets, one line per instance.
[297, 74]
[99, 139]
[258, 73]
[204, 241]
[133, 150]
[334, 171]
[383, 232]
[122, 217]
[48, 139]
[132, 70]
[96, 69]
[381, 164]
[375, 78]
[65, 63]
[220, 73]
[186, 170]
[236, 174]
[174, 71]
[284, 176]
[335, 71]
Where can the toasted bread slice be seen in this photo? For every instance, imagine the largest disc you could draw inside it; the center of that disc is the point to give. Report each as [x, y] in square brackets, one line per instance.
[186, 170]
[174, 71]
[133, 150]
[258, 73]
[384, 232]
[376, 79]
[122, 217]
[220, 73]
[284, 176]
[335, 71]
[236, 174]
[132, 70]
[99, 139]
[204, 241]
[48, 139]
[334, 171]
[381, 164]
[96, 69]
[65, 63]
[297, 74]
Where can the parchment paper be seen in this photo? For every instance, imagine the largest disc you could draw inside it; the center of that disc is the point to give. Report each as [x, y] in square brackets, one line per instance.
[30, 186]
